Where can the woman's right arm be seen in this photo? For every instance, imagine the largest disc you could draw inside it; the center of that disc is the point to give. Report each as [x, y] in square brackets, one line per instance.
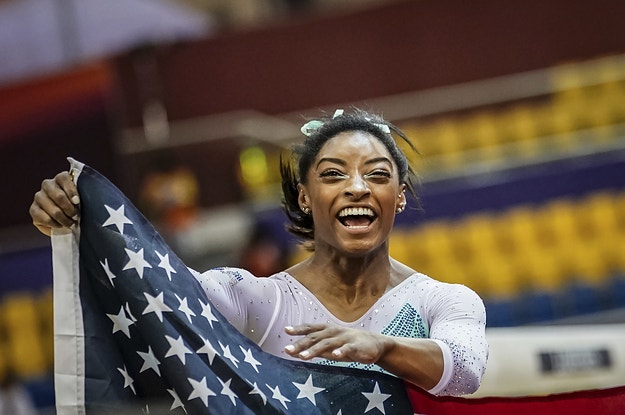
[55, 204]
[235, 292]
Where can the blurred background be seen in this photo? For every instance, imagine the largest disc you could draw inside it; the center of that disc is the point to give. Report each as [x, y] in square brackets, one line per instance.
[517, 108]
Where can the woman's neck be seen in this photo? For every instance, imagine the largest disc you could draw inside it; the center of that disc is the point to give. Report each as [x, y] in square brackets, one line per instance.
[349, 286]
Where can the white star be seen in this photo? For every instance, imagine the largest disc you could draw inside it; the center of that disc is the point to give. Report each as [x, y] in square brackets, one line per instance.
[184, 307]
[249, 358]
[156, 305]
[121, 322]
[177, 402]
[117, 218]
[165, 264]
[225, 390]
[108, 271]
[308, 390]
[177, 348]
[376, 399]
[200, 390]
[130, 316]
[208, 313]
[225, 352]
[136, 261]
[257, 391]
[128, 381]
[277, 395]
[208, 349]
[149, 361]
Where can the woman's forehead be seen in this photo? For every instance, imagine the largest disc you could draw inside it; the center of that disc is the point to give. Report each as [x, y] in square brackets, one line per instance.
[353, 144]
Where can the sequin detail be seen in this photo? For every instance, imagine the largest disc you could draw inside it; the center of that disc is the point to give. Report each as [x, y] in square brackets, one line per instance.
[407, 323]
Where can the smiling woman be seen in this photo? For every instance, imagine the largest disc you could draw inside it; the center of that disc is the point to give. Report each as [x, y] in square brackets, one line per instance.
[349, 303]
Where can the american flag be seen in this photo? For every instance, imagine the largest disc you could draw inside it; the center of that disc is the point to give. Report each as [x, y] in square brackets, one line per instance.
[135, 333]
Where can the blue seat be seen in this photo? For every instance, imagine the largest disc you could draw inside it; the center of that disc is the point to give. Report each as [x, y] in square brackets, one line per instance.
[501, 313]
[538, 305]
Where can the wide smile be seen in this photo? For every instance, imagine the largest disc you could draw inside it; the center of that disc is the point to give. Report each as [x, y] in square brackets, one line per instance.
[356, 218]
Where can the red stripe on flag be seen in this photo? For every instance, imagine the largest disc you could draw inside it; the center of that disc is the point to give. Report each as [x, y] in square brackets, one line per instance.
[609, 401]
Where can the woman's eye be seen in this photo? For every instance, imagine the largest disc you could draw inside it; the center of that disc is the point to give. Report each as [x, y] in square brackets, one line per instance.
[379, 174]
[331, 173]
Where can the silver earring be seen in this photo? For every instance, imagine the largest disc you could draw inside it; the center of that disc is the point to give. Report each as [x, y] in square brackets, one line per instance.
[401, 208]
[306, 210]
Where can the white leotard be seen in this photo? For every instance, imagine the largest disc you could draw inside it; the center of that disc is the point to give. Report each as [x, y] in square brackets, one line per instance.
[419, 307]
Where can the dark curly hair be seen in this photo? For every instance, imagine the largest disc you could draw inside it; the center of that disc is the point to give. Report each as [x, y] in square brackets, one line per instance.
[303, 155]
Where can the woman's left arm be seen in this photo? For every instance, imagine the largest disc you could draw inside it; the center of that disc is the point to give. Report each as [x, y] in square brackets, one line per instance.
[450, 362]
[457, 320]
[419, 361]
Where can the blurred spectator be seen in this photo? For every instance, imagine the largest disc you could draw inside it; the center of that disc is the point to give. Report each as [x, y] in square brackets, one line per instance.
[264, 255]
[169, 194]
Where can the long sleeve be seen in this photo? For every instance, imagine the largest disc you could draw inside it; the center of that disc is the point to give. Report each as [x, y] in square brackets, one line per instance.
[458, 323]
[247, 302]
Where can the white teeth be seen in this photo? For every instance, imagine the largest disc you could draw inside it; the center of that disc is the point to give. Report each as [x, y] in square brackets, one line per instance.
[356, 212]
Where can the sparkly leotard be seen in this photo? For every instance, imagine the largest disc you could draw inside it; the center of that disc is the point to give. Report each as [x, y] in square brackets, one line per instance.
[419, 307]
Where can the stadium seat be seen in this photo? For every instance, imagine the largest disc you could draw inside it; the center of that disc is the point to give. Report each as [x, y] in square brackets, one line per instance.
[501, 312]
[515, 230]
[616, 289]
[24, 346]
[499, 278]
[46, 317]
[539, 306]
[400, 247]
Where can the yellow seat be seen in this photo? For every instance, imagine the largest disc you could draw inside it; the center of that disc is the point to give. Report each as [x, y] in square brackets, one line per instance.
[46, 317]
[24, 346]
[495, 278]
[4, 360]
[541, 271]
[557, 223]
[480, 136]
[597, 216]
[473, 237]
[433, 252]
[450, 271]
[449, 142]
[619, 209]
[587, 263]
[515, 231]
[400, 247]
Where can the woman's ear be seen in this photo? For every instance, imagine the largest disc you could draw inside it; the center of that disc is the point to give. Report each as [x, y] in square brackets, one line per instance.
[401, 199]
[302, 198]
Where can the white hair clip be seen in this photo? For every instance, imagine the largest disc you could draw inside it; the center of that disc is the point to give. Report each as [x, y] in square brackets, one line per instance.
[312, 126]
[383, 127]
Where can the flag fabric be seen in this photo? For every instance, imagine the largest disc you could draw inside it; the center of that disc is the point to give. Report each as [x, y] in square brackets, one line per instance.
[609, 401]
[135, 332]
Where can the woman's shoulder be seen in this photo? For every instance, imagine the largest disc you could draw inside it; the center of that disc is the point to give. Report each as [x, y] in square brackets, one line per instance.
[434, 286]
[228, 275]
[230, 271]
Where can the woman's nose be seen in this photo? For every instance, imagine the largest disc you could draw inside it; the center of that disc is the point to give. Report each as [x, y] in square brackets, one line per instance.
[357, 186]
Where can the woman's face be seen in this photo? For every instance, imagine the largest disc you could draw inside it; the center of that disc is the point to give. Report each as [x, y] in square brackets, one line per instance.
[353, 192]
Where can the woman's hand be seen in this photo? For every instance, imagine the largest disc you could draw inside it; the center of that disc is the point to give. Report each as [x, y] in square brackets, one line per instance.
[337, 343]
[419, 361]
[55, 205]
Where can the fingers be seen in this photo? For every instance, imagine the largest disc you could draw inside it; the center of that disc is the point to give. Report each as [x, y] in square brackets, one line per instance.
[65, 181]
[329, 342]
[317, 341]
[55, 205]
[337, 343]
